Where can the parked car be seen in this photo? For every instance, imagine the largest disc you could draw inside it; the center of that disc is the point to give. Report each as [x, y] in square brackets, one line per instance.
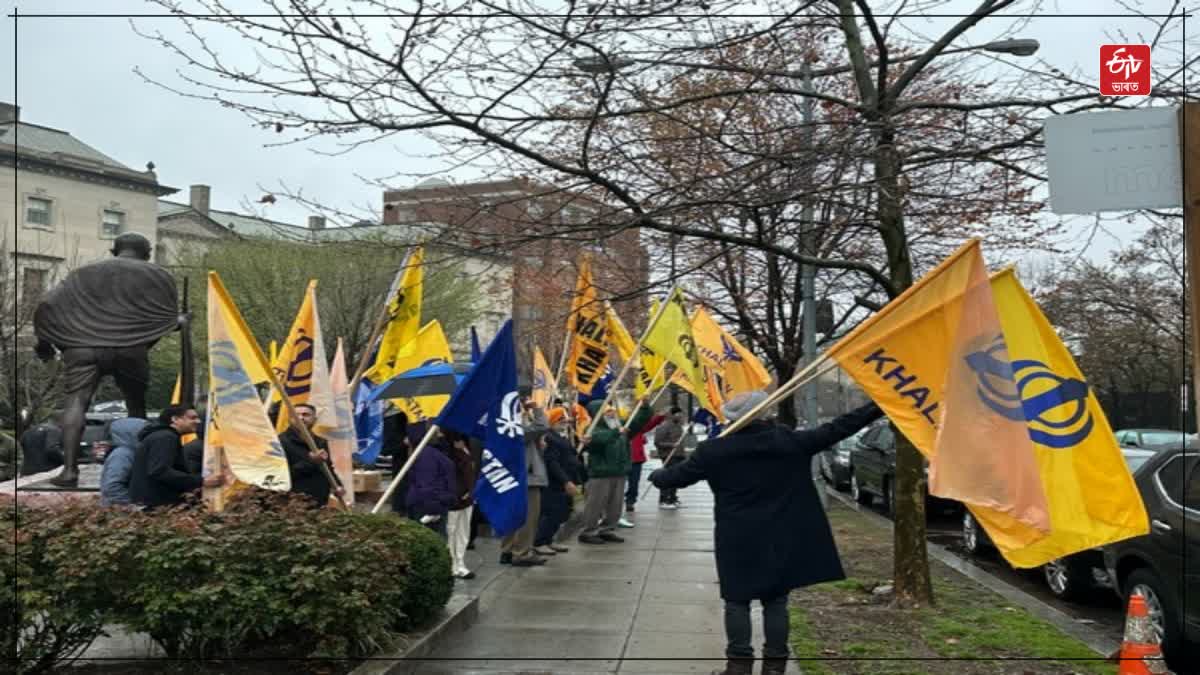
[1164, 565]
[1070, 577]
[1150, 438]
[835, 462]
[873, 471]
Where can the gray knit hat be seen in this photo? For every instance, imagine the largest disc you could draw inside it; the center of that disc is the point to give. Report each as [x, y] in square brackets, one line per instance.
[743, 403]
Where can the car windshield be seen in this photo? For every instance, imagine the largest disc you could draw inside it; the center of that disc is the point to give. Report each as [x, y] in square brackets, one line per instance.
[1152, 438]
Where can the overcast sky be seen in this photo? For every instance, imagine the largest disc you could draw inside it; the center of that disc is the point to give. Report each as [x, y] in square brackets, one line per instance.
[76, 74]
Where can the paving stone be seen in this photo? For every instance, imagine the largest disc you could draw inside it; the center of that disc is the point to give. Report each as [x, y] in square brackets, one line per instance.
[689, 592]
[581, 589]
[548, 614]
[677, 572]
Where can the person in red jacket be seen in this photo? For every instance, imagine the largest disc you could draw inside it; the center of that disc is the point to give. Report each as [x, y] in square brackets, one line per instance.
[637, 454]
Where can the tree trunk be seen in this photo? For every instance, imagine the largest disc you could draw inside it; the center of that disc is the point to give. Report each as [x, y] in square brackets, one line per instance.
[911, 566]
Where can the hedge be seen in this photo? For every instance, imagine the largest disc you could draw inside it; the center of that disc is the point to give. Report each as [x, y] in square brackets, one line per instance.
[267, 577]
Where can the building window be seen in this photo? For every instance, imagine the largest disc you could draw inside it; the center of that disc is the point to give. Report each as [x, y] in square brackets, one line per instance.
[38, 211]
[112, 224]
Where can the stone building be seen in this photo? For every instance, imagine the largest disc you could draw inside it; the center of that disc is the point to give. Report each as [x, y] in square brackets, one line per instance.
[71, 202]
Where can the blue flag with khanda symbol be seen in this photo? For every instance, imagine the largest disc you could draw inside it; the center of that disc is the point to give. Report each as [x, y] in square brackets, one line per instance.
[486, 405]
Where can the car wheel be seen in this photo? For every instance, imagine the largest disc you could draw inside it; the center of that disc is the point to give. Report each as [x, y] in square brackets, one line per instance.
[861, 496]
[1159, 607]
[1066, 578]
[972, 538]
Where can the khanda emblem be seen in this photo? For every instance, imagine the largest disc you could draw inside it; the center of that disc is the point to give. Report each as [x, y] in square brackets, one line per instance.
[688, 345]
[731, 354]
[1055, 408]
[298, 379]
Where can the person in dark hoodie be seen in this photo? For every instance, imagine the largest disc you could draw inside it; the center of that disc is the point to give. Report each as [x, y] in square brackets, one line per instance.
[305, 465]
[160, 476]
[772, 535]
[562, 469]
[118, 463]
[431, 486]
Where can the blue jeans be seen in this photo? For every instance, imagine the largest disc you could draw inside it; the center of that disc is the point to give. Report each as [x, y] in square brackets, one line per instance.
[631, 483]
[556, 506]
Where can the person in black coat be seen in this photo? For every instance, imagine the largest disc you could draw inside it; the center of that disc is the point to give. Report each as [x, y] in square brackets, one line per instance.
[41, 449]
[304, 465]
[562, 472]
[772, 535]
[160, 476]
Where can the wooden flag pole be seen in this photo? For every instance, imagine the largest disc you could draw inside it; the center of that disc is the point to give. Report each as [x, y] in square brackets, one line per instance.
[412, 458]
[612, 388]
[380, 324]
[305, 434]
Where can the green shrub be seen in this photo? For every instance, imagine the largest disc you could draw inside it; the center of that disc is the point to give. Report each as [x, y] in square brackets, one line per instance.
[430, 580]
[63, 562]
[267, 577]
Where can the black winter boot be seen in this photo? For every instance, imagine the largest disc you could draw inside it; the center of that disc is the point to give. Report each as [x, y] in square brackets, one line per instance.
[736, 667]
[774, 666]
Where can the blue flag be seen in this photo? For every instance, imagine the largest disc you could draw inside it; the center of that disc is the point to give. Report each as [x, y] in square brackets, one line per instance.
[486, 405]
[600, 389]
[475, 351]
[368, 423]
[710, 422]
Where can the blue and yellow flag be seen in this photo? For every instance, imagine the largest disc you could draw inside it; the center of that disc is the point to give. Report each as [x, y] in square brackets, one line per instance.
[300, 367]
[240, 440]
[1092, 496]
[736, 368]
[430, 347]
[911, 358]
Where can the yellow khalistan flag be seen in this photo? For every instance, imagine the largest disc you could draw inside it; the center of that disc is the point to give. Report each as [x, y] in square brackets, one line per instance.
[739, 370]
[587, 357]
[429, 347]
[240, 441]
[404, 316]
[618, 335]
[912, 359]
[341, 436]
[650, 374]
[671, 330]
[543, 380]
[1092, 496]
[300, 366]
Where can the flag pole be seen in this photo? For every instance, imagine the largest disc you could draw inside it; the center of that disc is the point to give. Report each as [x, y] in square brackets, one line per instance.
[814, 370]
[412, 458]
[380, 324]
[612, 388]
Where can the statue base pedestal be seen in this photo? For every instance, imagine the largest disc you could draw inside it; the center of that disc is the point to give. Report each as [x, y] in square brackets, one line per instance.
[89, 481]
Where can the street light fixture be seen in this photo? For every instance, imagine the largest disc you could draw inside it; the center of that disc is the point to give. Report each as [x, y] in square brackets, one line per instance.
[1016, 47]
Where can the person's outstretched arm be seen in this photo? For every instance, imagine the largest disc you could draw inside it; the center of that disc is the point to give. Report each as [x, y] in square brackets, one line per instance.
[813, 441]
[682, 474]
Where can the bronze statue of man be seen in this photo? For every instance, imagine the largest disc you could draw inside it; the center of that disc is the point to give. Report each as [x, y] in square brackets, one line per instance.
[104, 318]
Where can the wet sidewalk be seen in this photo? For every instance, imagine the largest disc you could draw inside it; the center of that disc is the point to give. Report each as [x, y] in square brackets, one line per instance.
[649, 605]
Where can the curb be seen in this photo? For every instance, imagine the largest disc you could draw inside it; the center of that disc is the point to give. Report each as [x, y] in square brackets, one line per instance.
[460, 613]
[1101, 644]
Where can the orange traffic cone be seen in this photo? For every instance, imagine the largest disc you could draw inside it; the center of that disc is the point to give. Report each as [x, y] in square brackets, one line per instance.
[1140, 652]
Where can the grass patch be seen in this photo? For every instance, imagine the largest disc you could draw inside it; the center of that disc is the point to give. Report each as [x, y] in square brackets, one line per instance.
[856, 632]
[803, 643]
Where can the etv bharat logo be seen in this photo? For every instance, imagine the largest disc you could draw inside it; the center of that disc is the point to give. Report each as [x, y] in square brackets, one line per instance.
[1124, 70]
[1055, 408]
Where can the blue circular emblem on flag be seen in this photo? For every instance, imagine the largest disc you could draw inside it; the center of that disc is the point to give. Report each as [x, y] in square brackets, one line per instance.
[1055, 408]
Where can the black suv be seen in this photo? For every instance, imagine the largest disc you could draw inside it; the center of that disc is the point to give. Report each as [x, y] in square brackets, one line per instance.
[873, 471]
[1154, 564]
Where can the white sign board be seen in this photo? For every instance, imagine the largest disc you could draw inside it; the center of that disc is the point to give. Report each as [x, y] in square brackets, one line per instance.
[1114, 161]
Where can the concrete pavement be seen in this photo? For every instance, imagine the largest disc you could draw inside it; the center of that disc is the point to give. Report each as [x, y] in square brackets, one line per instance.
[649, 605]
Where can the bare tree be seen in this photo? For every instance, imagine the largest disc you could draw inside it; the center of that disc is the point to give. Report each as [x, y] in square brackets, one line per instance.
[501, 84]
